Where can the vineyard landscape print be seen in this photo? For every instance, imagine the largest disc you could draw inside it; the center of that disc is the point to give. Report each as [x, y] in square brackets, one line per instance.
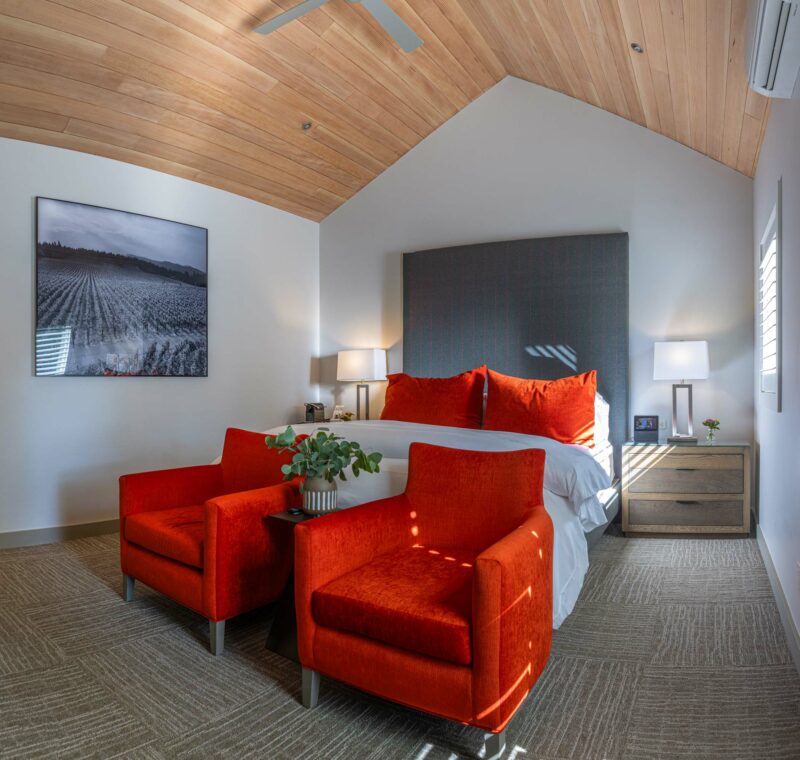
[119, 294]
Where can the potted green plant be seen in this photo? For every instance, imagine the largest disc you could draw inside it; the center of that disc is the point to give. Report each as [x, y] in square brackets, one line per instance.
[319, 459]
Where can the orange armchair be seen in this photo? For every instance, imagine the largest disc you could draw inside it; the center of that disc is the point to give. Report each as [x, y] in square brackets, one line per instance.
[440, 598]
[198, 534]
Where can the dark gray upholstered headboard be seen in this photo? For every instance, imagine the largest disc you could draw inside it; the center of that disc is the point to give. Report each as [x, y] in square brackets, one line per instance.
[541, 308]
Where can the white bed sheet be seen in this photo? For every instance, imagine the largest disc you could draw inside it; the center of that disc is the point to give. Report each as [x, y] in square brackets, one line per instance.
[570, 556]
[592, 510]
[603, 454]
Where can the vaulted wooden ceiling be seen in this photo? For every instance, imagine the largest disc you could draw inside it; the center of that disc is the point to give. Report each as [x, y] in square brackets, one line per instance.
[186, 87]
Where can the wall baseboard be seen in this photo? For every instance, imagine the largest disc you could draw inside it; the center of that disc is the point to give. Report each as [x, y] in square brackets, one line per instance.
[792, 634]
[55, 535]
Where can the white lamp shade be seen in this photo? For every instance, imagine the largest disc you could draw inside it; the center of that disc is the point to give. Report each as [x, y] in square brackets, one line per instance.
[361, 364]
[680, 360]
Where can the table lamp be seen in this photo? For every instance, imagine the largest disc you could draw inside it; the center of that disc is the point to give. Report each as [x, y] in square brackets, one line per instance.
[361, 365]
[681, 360]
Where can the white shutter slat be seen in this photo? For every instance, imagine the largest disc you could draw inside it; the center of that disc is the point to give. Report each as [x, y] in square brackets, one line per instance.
[769, 278]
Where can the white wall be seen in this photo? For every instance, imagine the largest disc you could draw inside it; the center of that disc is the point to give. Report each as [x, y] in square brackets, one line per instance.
[777, 434]
[522, 161]
[64, 441]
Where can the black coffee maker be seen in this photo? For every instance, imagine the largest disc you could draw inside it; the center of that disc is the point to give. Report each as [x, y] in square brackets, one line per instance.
[315, 412]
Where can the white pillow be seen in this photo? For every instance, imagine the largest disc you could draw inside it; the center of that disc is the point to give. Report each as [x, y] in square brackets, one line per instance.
[602, 425]
[390, 481]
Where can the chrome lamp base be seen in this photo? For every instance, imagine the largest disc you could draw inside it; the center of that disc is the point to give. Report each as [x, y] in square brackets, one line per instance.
[687, 437]
[366, 401]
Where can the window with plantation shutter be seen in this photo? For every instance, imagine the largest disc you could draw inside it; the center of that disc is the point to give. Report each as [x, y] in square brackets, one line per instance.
[769, 317]
[769, 312]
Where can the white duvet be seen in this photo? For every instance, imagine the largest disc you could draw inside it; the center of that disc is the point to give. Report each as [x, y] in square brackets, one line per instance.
[574, 478]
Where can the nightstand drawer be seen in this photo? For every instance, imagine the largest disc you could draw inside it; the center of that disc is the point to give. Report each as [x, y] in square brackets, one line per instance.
[646, 460]
[689, 513]
[688, 480]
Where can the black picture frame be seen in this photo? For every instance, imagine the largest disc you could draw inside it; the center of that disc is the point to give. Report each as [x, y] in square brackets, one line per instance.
[118, 293]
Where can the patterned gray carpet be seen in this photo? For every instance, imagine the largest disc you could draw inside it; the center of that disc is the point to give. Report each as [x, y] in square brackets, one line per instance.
[674, 651]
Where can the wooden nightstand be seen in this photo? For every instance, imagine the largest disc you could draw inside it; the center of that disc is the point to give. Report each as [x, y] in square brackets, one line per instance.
[681, 488]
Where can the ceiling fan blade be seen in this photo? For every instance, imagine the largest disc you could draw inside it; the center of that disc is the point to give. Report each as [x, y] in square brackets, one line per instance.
[403, 34]
[290, 15]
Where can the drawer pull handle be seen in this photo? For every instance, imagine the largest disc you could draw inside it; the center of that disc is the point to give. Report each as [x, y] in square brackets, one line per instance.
[686, 469]
[680, 501]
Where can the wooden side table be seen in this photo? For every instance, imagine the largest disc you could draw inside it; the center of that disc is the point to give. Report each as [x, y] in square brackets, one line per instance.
[282, 637]
[685, 488]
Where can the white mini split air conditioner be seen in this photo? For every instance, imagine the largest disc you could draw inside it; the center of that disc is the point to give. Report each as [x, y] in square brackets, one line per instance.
[775, 47]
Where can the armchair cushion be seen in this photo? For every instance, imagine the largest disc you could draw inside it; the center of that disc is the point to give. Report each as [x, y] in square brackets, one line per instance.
[419, 599]
[247, 463]
[175, 533]
[167, 489]
[471, 498]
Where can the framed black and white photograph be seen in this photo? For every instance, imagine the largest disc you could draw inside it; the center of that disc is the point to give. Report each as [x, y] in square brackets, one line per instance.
[119, 294]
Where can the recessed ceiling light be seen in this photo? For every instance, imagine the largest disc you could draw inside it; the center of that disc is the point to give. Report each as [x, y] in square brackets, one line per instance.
[636, 47]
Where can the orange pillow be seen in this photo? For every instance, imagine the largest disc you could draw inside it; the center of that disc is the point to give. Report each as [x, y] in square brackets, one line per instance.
[560, 409]
[454, 401]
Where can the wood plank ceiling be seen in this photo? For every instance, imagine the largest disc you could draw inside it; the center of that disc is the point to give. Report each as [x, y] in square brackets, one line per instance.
[186, 87]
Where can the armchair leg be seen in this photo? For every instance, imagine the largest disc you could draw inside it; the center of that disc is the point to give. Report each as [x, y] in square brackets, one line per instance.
[495, 746]
[127, 587]
[217, 636]
[310, 688]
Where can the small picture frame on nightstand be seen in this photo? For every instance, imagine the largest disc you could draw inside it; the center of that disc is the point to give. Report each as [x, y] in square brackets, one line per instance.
[645, 428]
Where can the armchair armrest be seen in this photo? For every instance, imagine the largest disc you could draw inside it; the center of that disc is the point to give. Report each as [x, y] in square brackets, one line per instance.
[245, 562]
[512, 611]
[166, 489]
[329, 547]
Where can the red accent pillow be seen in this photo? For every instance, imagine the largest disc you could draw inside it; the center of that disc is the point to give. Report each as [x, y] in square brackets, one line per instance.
[560, 409]
[454, 401]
